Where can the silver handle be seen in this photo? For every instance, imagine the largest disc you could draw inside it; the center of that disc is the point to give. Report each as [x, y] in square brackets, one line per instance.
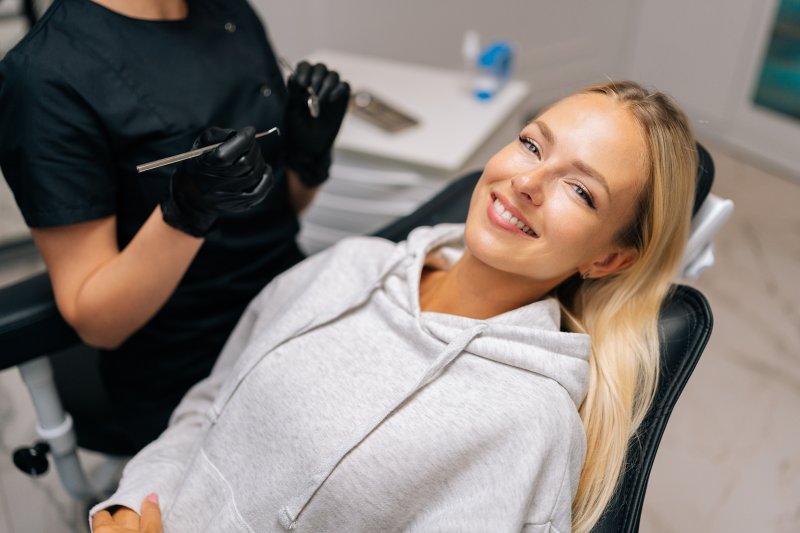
[192, 153]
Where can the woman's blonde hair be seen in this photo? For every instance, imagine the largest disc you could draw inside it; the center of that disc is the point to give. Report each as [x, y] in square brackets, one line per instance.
[620, 311]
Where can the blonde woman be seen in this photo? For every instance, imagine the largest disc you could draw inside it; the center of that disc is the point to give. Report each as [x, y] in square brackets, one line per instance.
[478, 377]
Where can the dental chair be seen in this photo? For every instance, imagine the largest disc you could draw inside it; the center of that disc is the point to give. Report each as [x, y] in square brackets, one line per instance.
[35, 339]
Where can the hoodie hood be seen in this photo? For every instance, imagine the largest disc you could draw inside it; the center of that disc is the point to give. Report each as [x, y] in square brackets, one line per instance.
[529, 337]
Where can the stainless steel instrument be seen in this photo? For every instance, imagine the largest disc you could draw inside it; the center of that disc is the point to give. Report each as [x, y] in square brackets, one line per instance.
[192, 153]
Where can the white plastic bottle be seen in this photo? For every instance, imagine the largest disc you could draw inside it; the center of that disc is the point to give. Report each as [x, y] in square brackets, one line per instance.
[470, 49]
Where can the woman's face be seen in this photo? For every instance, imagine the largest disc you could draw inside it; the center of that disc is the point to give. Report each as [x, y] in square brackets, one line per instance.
[550, 203]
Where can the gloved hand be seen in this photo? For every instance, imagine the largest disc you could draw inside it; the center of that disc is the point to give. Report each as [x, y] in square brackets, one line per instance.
[309, 140]
[229, 179]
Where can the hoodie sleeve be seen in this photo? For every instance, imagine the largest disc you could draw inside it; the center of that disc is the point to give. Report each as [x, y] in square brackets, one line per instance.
[572, 455]
[159, 466]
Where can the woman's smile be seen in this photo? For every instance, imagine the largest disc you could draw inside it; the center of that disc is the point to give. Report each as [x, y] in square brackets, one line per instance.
[508, 217]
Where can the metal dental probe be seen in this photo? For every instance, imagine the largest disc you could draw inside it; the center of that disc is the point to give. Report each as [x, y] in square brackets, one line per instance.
[193, 153]
[313, 99]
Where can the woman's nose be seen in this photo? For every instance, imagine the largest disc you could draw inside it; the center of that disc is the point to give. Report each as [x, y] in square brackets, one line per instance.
[530, 187]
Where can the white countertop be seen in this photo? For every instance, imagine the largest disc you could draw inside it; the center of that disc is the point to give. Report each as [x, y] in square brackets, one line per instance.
[453, 124]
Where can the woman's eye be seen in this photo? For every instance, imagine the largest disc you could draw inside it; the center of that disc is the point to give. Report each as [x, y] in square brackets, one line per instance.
[584, 194]
[530, 146]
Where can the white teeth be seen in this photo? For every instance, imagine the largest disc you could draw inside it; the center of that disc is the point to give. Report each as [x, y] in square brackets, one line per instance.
[498, 206]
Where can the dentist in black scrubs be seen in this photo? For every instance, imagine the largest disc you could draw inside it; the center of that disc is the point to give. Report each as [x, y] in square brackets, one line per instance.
[156, 268]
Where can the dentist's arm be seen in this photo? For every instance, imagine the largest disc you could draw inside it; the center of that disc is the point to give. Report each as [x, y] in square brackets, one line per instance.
[300, 196]
[107, 294]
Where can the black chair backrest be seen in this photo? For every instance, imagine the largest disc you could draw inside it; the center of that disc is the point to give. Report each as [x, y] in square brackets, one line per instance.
[684, 328]
[705, 177]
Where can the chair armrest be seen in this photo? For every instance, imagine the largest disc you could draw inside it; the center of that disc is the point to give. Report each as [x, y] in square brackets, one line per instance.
[30, 324]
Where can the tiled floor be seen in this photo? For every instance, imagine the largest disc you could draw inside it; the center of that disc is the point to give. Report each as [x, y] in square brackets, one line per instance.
[730, 458]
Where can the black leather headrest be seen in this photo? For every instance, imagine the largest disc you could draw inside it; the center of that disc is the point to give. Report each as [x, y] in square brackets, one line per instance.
[705, 177]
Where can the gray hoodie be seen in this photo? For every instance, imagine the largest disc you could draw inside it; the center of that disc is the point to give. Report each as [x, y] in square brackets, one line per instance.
[338, 406]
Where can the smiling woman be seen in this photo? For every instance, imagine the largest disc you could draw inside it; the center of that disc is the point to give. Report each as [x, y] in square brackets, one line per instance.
[484, 377]
[591, 204]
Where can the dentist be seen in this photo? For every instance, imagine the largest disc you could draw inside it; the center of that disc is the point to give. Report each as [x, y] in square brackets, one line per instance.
[156, 268]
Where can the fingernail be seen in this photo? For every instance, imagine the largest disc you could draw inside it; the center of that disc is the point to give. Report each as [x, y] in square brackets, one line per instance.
[153, 497]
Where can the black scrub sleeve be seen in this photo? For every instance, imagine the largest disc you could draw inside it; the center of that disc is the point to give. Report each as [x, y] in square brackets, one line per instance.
[54, 153]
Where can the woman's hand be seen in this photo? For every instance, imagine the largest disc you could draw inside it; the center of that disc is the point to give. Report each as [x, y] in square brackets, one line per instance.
[126, 520]
[309, 140]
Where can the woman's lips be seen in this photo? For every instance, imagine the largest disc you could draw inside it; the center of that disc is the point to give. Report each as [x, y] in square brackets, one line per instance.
[505, 215]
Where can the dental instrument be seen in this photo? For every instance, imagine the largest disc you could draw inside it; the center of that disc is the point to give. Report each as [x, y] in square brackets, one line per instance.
[193, 153]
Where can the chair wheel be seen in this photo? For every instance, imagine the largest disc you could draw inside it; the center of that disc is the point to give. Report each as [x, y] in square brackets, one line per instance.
[32, 460]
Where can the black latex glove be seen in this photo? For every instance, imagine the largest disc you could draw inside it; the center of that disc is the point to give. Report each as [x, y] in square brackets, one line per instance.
[229, 179]
[309, 140]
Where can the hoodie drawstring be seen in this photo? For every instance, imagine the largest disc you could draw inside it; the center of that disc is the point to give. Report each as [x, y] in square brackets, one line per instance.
[289, 513]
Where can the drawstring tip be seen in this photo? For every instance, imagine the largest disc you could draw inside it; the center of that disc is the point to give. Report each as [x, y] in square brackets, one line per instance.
[286, 519]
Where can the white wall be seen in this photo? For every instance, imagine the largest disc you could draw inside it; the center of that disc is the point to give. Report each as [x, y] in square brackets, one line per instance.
[708, 54]
[560, 45]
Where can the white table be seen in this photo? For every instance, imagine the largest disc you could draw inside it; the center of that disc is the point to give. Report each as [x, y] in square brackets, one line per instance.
[378, 176]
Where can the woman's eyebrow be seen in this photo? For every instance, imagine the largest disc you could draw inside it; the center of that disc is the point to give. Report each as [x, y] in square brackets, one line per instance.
[546, 131]
[591, 172]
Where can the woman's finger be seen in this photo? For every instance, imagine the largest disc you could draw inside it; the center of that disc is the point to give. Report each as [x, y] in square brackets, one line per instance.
[102, 518]
[151, 515]
[127, 518]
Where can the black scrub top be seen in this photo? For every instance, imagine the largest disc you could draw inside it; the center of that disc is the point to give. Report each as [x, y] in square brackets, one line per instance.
[89, 94]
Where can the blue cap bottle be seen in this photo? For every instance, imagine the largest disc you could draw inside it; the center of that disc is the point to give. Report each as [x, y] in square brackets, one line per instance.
[493, 69]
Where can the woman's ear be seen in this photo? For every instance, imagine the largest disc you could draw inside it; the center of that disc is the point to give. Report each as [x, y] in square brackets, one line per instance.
[614, 262]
